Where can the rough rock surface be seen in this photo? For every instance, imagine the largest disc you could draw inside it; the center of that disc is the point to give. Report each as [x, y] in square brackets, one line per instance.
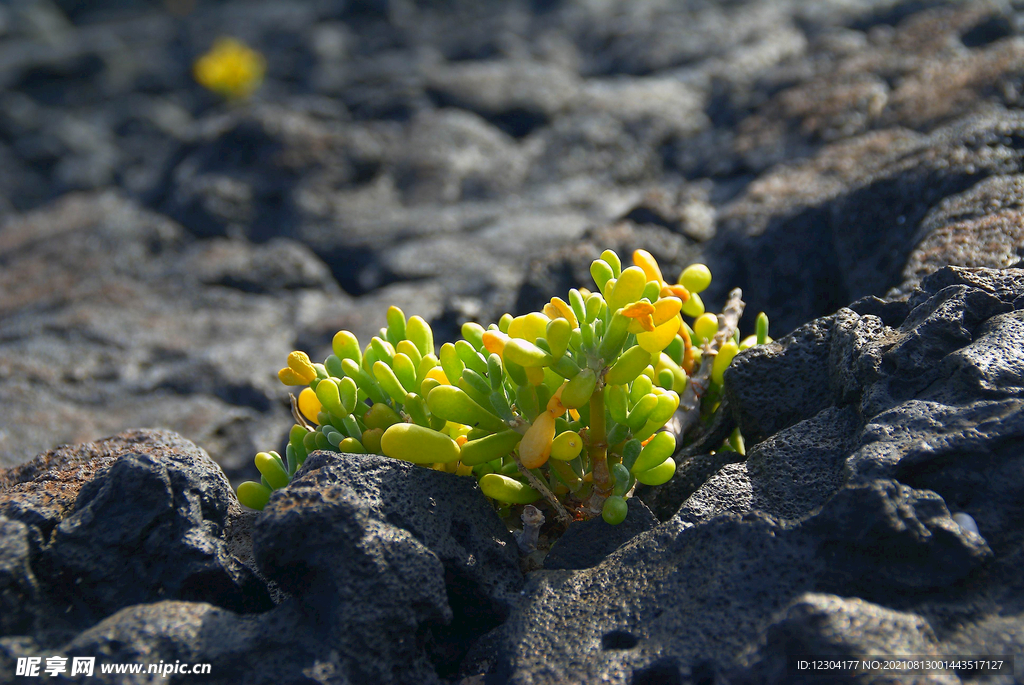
[98, 527]
[427, 550]
[441, 567]
[161, 251]
[587, 543]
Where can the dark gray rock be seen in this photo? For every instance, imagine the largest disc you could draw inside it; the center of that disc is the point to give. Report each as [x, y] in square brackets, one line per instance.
[135, 518]
[42, 492]
[942, 352]
[586, 543]
[771, 387]
[855, 355]
[279, 265]
[325, 633]
[239, 173]
[426, 546]
[516, 96]
[787, 476]
[992, 365]
[594, 143]
[979, 227]
[148, 526]
[831, 222]
[845, 629]
[447, 514]
[800, 468]
[453, 155]
[281, 646]
[891, 312]
[18, 586]
[727, 491]
[934, 329]
[676, 600]
[1003, 284]
[883, 538]
[372, 84]
[919, 436]
[853, 358]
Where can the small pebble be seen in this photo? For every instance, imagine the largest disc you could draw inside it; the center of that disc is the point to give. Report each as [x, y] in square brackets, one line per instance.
[966, 522]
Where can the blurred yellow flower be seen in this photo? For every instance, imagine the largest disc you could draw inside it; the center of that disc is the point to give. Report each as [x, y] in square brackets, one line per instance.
[230, 69]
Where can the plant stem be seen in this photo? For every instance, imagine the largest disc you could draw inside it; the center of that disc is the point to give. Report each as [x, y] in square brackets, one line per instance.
[532, 519]
[598, 451]
[539, 485]
[297, 415]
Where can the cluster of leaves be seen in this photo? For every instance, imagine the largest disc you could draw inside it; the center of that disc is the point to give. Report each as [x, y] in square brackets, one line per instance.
[568, 405]
[231, 69]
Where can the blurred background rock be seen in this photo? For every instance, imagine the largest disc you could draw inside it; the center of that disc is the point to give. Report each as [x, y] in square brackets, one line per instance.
[161, 250]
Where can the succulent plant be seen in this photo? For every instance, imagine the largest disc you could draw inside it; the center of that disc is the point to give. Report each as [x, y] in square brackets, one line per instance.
[569, 407]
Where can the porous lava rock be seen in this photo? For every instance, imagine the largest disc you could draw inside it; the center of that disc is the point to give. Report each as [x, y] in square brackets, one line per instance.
[135, 518]
[425, 547]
